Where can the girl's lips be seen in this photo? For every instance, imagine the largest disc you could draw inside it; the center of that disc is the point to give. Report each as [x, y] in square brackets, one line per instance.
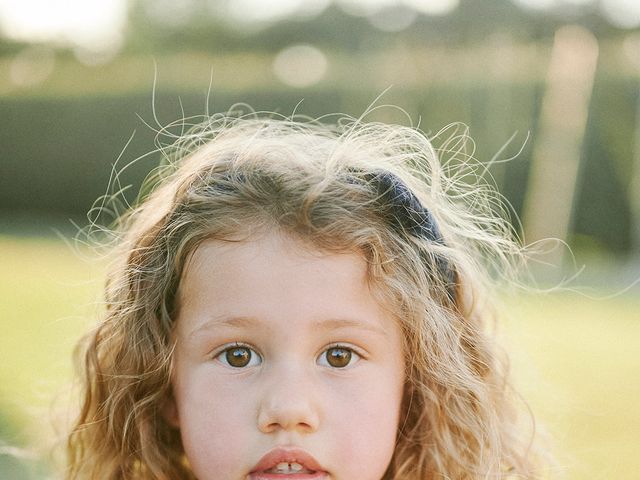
[286, 476]
[310, 466]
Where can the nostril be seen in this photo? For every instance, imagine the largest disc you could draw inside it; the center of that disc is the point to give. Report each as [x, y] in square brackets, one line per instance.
[283, 423]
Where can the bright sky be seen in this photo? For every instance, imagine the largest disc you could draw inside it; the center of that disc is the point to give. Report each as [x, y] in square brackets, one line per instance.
[90, 23]
[99, 23]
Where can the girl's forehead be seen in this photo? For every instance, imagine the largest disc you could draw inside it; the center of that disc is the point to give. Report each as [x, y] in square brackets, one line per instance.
[271, 248]
[276, 274]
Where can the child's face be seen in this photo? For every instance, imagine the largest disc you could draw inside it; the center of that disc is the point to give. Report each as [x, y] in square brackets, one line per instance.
[286, 367]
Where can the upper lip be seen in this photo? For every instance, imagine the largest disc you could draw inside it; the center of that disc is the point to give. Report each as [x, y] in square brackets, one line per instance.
[289, 455]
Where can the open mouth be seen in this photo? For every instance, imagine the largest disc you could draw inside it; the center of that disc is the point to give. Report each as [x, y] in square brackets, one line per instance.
[292, 475]
[288, 468]
[290, 471]
[289, 463]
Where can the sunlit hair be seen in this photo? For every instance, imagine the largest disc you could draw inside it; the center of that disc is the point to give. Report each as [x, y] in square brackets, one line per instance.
[234, 177]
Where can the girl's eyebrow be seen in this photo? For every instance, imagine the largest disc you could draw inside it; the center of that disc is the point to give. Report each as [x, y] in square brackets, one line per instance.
[248, 322]
[237, 322]
[338, 323]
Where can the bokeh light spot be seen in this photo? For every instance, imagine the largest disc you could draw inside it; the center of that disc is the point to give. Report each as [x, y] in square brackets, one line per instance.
[260, 11]
[75, 22]
[622, 13]
[300, 65]
[360, 8]
[366, 8]
[433, 7]
[393, 19]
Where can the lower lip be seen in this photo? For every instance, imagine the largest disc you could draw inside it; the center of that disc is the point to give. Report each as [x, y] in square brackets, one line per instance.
[289, 476]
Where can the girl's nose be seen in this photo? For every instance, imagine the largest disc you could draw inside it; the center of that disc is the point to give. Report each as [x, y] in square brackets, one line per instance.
[289, 402]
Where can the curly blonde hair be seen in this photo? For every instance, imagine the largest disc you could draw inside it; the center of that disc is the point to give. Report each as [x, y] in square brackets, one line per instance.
[235, 174]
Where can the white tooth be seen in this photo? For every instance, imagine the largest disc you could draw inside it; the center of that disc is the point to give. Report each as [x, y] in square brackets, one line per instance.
[286, 467]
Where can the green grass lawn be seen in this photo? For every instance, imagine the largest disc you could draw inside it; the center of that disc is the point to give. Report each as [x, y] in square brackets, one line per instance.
[579, 366]
[48, 297]
[577, 360]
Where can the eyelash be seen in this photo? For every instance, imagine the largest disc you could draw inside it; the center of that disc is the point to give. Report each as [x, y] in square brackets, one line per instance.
[338, 346]
[353, 356]
[222, 355]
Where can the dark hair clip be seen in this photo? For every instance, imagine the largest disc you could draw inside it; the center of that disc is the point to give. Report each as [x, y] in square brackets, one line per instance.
[411, 216]
[407, 210]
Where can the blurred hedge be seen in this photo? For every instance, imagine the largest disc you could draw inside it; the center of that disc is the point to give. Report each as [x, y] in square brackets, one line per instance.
[58, 152]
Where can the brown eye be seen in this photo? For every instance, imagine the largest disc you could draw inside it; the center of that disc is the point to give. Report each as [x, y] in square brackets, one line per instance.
[338, 357]
[240, 357]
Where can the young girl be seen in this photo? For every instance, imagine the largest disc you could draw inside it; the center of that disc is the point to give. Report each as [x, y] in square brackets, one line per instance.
[301, 301]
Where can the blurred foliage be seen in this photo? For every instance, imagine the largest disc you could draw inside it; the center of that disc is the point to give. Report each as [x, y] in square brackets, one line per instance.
[58, 153]
[210, 30]
[483, 64]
